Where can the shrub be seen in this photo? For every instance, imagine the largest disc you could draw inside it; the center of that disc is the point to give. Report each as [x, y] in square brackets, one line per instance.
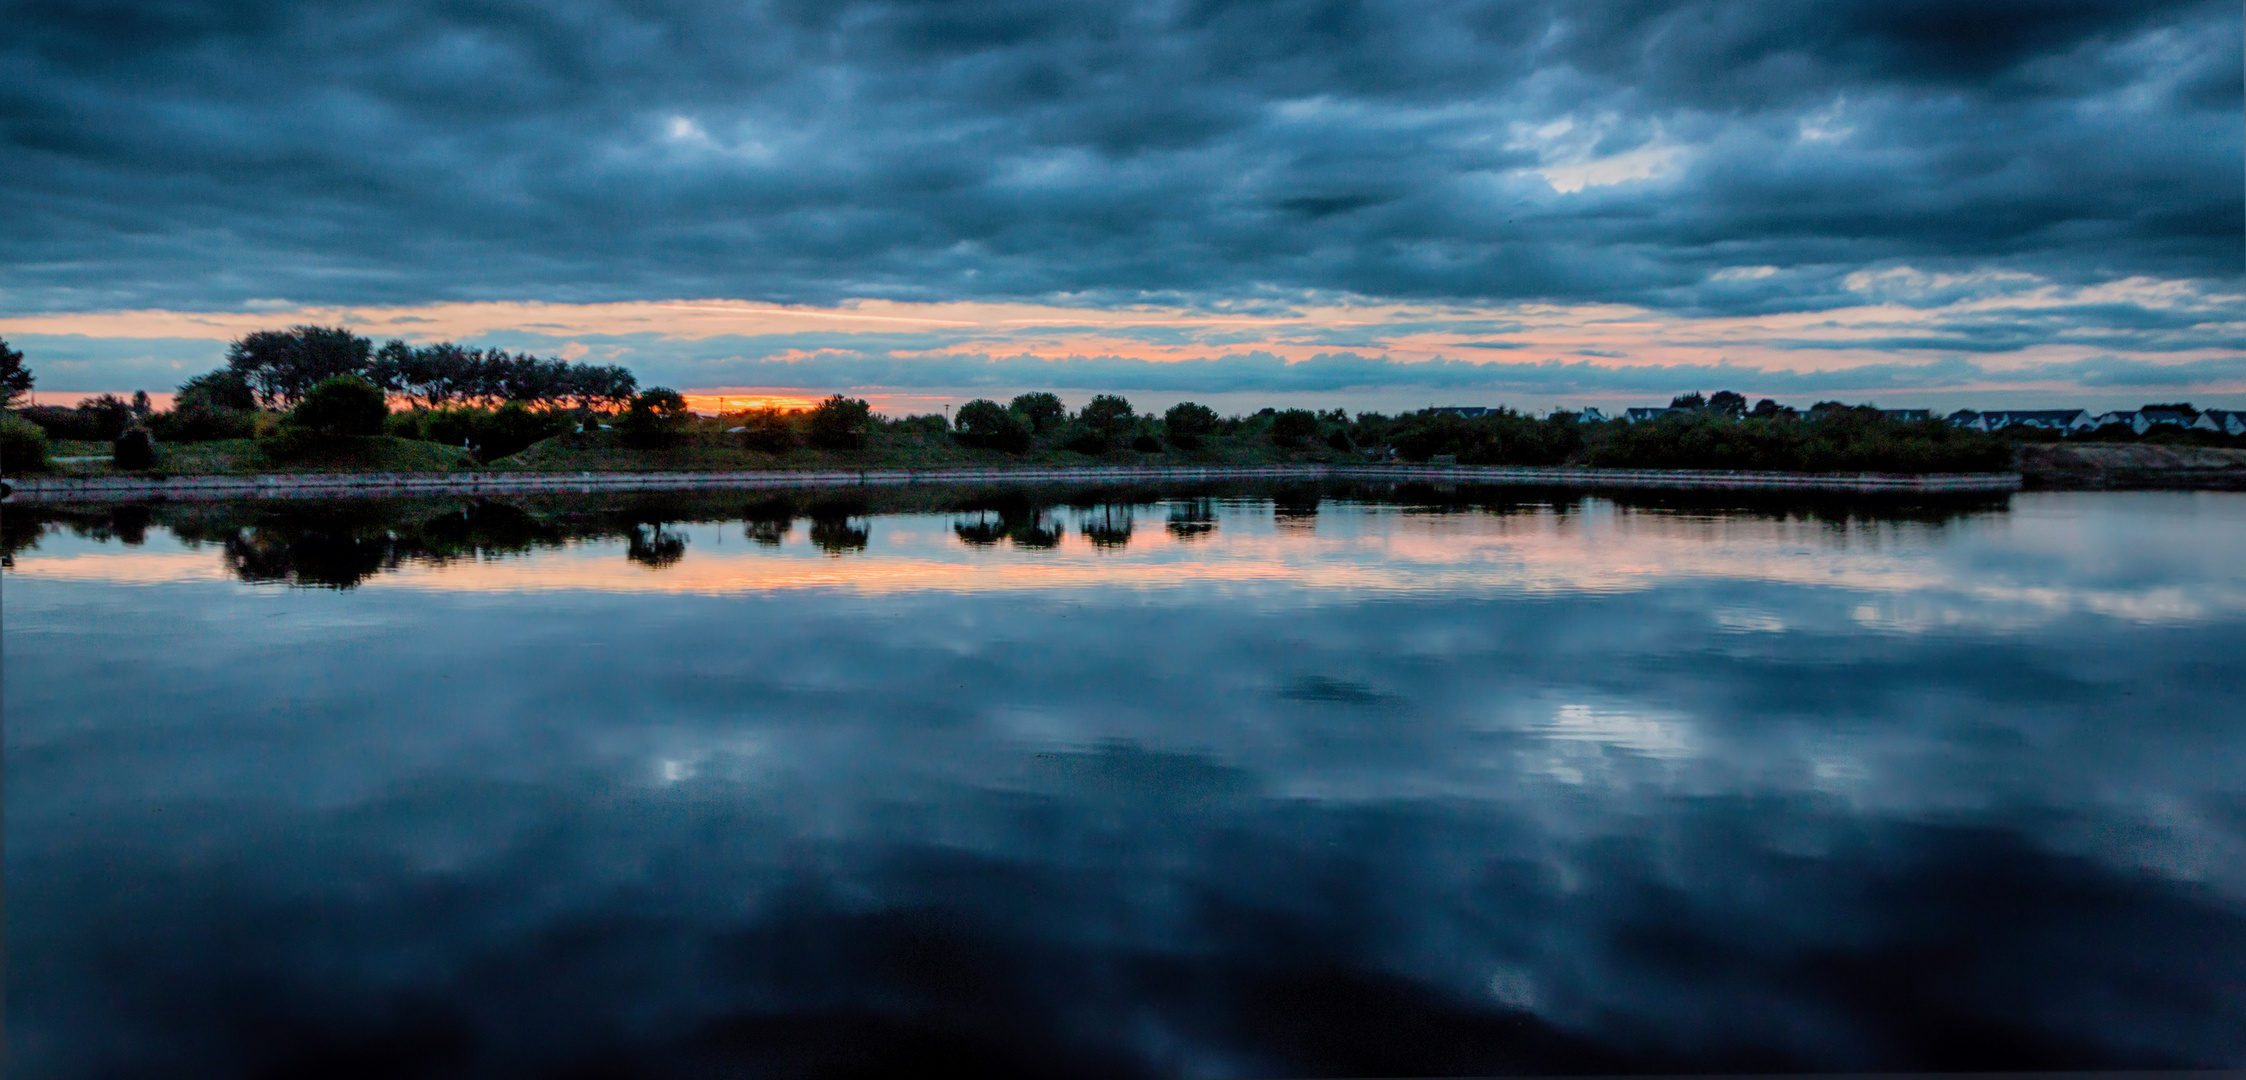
[1339, 440]
[1088, 442]
[199, 423]
[23, 445]
[988, 426]
[341, 405]
[770, 430]
[135, 449]
[839, 423]
[1147, 444]
[925, 424]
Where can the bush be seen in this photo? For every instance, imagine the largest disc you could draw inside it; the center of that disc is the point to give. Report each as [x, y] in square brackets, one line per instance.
[1089, 442]
[1503, 437]
[96, 419]
[769, 430]
[201, 423]
[341, 405]
[23, 445]
[839, 423]
[986, 425]
[135, 449]
[1841, 439]
[1147, 444]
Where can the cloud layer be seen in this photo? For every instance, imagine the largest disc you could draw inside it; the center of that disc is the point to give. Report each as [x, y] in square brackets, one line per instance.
[1720, 156]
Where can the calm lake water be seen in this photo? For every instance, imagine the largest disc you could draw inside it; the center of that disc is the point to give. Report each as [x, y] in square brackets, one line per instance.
[1216, 782]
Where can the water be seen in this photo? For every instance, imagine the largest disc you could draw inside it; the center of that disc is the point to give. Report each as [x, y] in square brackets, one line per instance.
[1224, 782]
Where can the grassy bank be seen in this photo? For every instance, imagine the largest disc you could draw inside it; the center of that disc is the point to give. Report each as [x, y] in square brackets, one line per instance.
[519, 440]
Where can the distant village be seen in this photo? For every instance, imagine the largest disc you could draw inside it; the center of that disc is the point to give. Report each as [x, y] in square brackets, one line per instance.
[2063, 421]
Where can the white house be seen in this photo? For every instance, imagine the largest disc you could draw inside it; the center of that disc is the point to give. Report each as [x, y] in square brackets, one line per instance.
[2222, 421]
[2045, 419]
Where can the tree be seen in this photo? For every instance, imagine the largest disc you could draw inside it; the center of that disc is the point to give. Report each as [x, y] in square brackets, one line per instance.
[15, 379]
[284, 365]
[1109, 416]
[1727, 403]
[1043, 412]
[341, 405]
[839, 423]
[655, 418]
[987, 425]
[1291, 427]
[1767, 409]
[1188, 423]
[221, 389]
[1688, 401]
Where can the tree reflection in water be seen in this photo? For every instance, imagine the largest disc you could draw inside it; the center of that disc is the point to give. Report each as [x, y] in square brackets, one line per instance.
[769, 521]
[338, 544]
[655, 547]
[1107, 525]
[1191, 519]
[840, 526]
[1018, 520]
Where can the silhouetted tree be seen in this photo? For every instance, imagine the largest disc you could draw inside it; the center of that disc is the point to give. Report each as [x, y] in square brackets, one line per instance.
[1188, 423]
[986, 425]
[284, 365]
[1109, 417]
[839, 423]
[1688, 401]
[15, 379]
[655, 419]
[1043, 412]
[1291, 427]
[1727, 403]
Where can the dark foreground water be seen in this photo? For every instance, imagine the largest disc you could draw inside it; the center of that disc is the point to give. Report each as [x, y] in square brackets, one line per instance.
[1222, 783]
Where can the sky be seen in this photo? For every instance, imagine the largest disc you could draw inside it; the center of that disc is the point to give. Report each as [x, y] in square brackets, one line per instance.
[1336, 203]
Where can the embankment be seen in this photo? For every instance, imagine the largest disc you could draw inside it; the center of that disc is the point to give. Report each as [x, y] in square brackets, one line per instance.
[349, 485]
[2121, 466]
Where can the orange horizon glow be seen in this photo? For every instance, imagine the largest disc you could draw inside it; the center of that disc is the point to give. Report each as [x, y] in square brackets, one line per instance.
[1611, 336]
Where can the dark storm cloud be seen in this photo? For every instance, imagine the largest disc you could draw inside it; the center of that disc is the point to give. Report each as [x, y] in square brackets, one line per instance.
[203, 155]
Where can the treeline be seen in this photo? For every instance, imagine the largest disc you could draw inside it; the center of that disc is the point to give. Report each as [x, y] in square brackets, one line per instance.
[281, 366]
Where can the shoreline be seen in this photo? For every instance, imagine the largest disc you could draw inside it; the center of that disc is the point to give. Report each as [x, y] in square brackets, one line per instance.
[215, 488]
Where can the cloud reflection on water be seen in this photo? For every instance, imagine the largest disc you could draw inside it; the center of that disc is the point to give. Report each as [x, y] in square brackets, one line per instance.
[1001, 811]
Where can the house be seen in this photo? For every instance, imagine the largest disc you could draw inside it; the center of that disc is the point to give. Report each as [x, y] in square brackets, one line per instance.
[1908, 416]
[1466, 411]
[2221, 421]
[2149, 418]
[1998, 420]
[1639, 416]
[1591, 416]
